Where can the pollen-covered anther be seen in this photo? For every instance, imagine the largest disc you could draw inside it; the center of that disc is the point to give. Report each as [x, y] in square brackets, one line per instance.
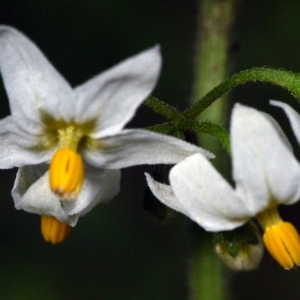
[66, 174]
[54, 231]
[283, 242]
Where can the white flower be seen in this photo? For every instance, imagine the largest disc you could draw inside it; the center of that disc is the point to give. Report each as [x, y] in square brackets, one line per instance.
[80, 131]
[265, 172]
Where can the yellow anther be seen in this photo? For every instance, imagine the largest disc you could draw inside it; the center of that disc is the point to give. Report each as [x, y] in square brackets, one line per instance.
[53, 230]
[66, 174]
[280, 238]
[283, 242]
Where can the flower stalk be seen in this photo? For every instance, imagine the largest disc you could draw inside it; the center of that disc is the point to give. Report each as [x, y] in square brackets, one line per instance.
[285, 79]
[162, 108]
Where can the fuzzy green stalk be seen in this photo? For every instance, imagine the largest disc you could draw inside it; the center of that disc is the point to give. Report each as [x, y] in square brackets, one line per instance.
[207, 280]
[211, 63]
[183, 125]
[285, 79]
[210, 283]
[162, 108]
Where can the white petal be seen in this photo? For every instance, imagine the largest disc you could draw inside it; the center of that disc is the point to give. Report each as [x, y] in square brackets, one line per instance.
[31, 82]
[164, 193]
[31, 192]
[206, 196]
[293, 116]
[100, 186]
[109, 188]
[264, 168]
[113, 96]
[18, 148]
[136, 147]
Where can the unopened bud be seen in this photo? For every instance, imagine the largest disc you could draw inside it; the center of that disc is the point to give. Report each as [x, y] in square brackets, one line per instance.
[240, 249]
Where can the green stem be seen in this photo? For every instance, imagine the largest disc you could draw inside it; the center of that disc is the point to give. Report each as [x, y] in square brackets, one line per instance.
[211, 67]
[164, 128]
[208, 281]
[162, 108]
[214, 130]
[215, 21]
[183, 125]
[284, 79]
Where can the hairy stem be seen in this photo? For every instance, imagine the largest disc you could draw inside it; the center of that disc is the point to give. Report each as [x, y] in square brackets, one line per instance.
[207, 280]
[284, 79]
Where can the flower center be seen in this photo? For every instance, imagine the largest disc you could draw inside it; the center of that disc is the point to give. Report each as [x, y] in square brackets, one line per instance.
[53, 230]
[66, 168]
[280, 238]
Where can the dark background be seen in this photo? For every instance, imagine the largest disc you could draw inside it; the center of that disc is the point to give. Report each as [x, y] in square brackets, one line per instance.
[118, 251]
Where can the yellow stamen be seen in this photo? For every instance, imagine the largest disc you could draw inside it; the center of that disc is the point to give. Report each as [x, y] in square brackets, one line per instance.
[53, 230]
[283, 243]
[281, 239]
[66, 174]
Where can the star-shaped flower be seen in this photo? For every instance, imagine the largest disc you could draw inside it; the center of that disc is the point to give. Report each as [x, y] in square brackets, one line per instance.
[79, 131]
[266, 174]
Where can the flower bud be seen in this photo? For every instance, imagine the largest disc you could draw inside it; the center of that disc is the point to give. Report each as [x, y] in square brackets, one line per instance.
[240, 249]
